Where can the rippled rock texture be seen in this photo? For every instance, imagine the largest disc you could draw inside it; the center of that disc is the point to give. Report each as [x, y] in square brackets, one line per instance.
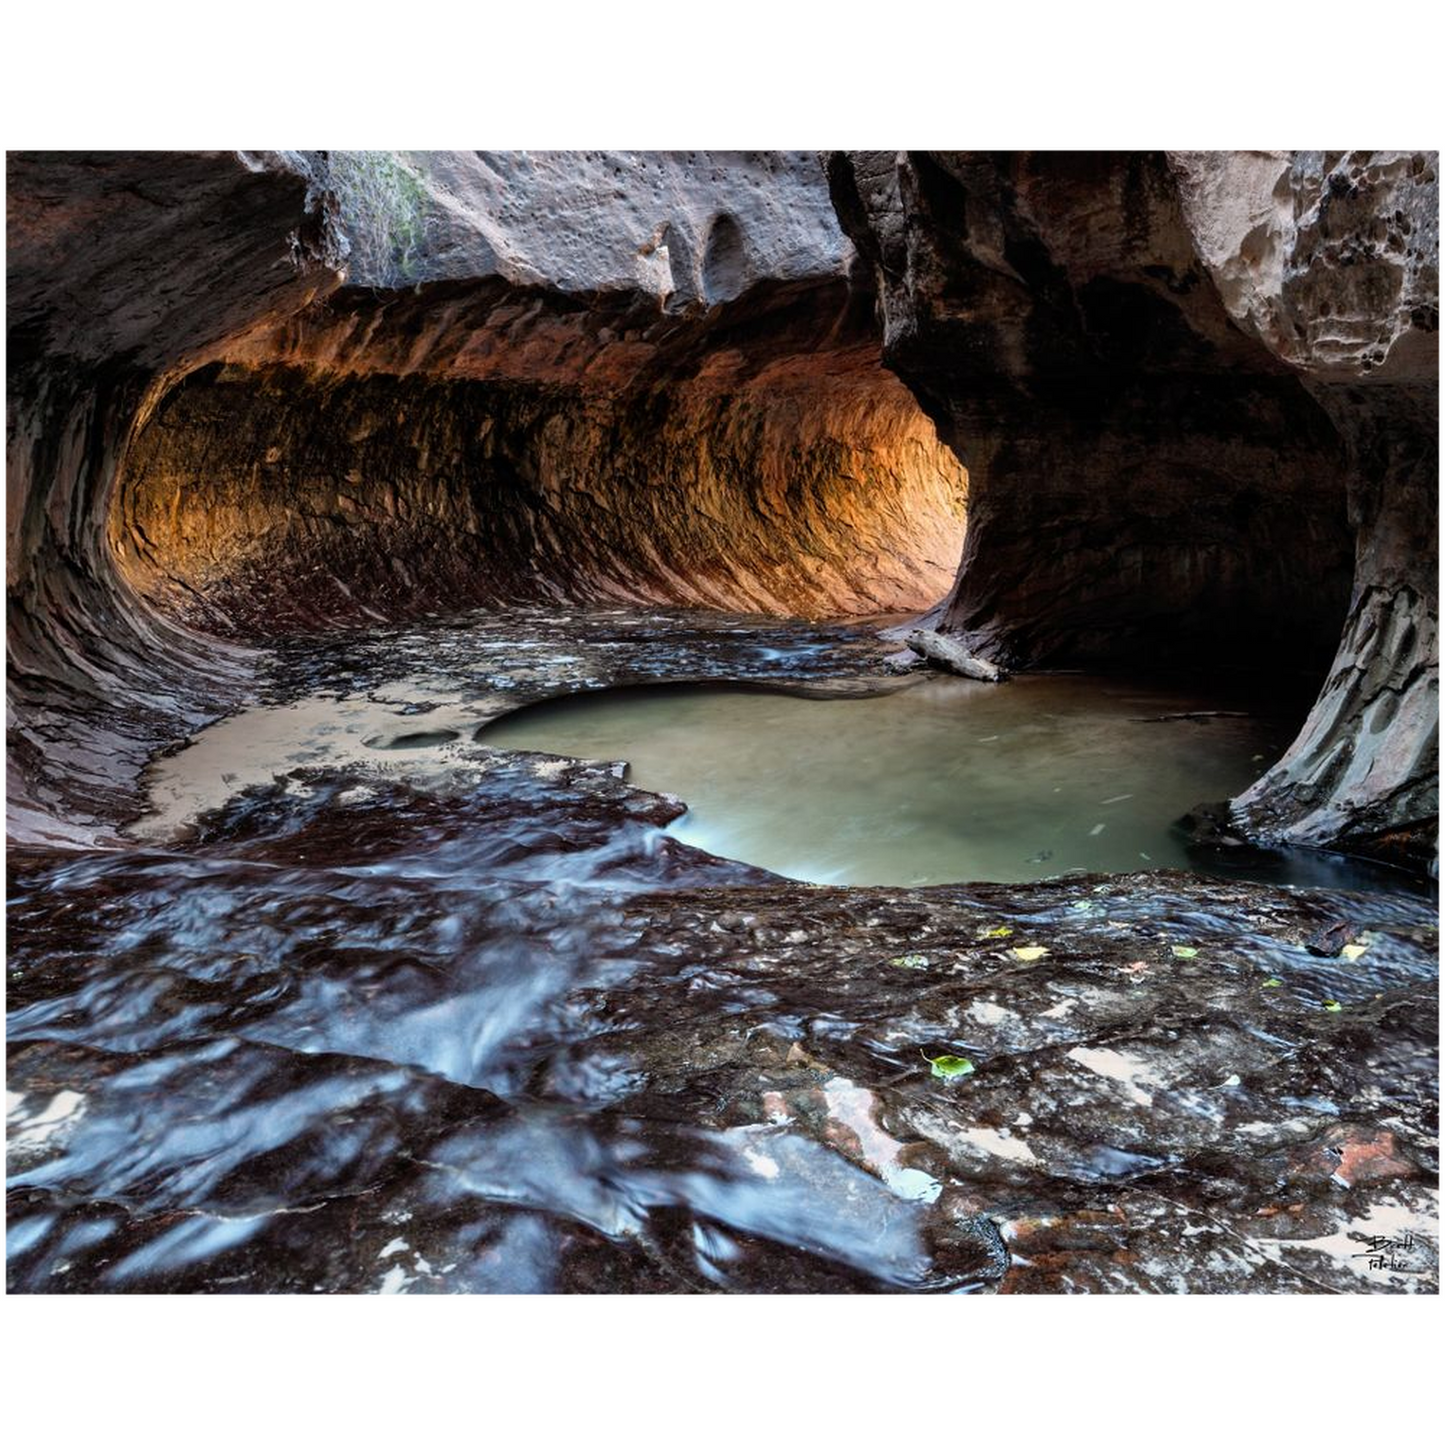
[210, 430]
[1196, 395]
[371, 1027]
[487, 1028]
[485, 444]
[124, 271]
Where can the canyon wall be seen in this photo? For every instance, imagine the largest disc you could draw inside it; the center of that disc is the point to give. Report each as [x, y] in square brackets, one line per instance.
[754, 458]
[587, 376]
[1196, 397]
[125, 271]
[274, 391]
[1331, 260]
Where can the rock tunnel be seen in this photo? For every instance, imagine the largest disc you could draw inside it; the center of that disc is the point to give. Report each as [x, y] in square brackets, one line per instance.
[304, 451]
[291, 392]
[788, 475]
[288, 429]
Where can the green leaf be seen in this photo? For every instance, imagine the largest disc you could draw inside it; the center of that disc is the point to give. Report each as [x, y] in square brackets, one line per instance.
[1273, 983]
[950, 1066]
[1332, 1007]
[1002, 931]
[910, 960]
[1180, 950]
[1028, 955]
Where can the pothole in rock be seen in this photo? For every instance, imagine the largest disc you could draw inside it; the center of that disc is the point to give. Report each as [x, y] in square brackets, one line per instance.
[947, 781]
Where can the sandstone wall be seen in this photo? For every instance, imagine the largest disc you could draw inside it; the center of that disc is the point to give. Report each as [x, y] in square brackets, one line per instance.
[1196, 398]
[1195, 393]
[1331, 259]
[600, 375]
[124, 272]
[261, 498]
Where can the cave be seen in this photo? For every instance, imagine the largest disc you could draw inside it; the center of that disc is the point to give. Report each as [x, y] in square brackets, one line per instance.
[351, 493]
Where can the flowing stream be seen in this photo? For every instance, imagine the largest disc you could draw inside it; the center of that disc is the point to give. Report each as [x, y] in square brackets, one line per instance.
[387, 995]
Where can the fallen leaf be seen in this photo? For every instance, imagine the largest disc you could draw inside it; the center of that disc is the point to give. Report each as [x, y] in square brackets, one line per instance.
[1028, 955]
[1273, 983]
[1002, 931]
[1353, 950]
[950, 1066]
[910, 960]
[1180, 950]
[1332, 1007]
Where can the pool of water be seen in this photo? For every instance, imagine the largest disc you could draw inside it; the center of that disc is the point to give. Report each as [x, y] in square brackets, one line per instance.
[946, 781]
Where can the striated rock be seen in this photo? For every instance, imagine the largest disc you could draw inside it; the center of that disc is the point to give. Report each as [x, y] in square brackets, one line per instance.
[1332, 261]
[479, 443]
[1196, 395]
[124, 271]
[610, 376]
[950, 654]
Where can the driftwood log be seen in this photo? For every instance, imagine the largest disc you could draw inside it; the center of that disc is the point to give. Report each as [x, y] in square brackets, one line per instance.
[948, 653]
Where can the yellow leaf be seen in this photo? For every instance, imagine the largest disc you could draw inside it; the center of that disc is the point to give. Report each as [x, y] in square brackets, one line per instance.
[1028, 955]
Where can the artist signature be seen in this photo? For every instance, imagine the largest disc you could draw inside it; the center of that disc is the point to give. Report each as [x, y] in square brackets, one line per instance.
[1388, 1252]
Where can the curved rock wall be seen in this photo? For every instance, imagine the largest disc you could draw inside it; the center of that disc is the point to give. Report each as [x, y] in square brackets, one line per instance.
[124, 271]
[206, 433]
[1144, 481]
[465, 446]
[1196, 398]
[1332, 261]
[1195, 394]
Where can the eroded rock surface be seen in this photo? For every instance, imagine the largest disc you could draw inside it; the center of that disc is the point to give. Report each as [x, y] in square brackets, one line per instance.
[1332, 261]
[603, 376]
[490, 1029]
[385, 459]
[1197, 395]
[688, 228]
[487, 1027]
[124, 271]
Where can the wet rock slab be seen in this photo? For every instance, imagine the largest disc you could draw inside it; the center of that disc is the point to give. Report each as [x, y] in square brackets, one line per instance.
[1168, 1091]
[495, 1031]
